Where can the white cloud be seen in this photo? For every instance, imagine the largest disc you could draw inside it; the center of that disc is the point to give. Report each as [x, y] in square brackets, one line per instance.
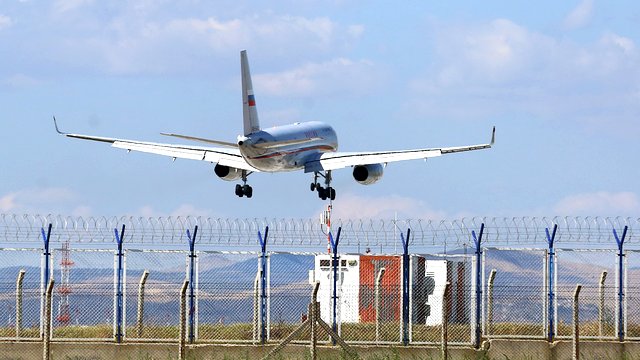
[501, 67]
[5, 21]
[134, 43]
[21, 81]
[599, 203]
[338, 76]
[580, 16]
[182, 210]
[349, 206]
[39, 200]
[8, 203]
[62, 6]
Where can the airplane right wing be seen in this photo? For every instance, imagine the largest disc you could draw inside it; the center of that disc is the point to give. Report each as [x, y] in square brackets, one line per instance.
[338, 160]
[223, 156]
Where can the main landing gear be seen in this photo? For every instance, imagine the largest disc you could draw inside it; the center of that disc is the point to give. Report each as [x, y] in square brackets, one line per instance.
[323, 193]
[244, 190]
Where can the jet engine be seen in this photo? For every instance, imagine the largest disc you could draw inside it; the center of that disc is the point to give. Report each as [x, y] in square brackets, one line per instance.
[368, 174]
[227, 173]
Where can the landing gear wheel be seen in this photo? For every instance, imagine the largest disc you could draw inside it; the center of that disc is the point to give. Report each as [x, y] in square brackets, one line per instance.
[248, 191]
[239, 191]
[313, 187]
[322, 192]
[332, 193]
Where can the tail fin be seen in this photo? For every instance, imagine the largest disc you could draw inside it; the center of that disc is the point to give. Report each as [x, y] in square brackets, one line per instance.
[249, 111]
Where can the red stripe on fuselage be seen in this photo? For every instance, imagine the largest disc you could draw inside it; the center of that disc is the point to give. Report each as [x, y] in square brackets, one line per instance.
[278, 153]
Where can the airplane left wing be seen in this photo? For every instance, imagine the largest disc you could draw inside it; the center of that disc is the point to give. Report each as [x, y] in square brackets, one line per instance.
[338, 160]
[223, 156]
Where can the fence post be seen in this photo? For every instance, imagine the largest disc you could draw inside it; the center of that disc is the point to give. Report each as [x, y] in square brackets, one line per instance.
[551, 285]
[19, 302]
[314, 315]
[46, 338]
[183, 319]
[256, 305]
[477, 331]
[263, 285]
[192, 299]
[46, 273]
[576, 322]
[118, 308]
[334, 264]
[492, 277]
[377, 301]
[603, 277]
[445, 321]
[405, 287]
[140, 319]
[621, 284]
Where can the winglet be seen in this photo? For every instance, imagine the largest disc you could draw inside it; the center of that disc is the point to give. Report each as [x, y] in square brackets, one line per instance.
[493, 136]
[55, 123]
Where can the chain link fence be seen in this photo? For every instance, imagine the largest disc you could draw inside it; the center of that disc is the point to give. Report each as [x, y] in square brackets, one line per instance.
[512, 283]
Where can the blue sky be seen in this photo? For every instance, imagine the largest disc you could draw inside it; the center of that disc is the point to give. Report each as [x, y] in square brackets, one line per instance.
[559, 80]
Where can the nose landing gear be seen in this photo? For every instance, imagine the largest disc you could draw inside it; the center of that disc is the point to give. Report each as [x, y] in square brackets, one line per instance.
[324, 193]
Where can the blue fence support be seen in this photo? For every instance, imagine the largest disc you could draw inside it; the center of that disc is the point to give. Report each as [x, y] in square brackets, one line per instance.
[192, 272]
[119, 293]
[621, 287]
[334, 264]
[477, 240]
[47, 255]
[46, 272]
[263, 285]
[405, 287]
[551, 281]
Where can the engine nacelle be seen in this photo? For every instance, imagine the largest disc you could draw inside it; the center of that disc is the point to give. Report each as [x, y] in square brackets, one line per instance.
[368, 174]
[227, 173]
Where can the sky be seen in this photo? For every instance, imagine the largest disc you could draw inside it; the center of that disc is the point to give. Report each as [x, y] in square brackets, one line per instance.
[560, 80]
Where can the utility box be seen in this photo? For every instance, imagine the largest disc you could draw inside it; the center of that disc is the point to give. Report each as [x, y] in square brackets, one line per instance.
[348, 283]
[356, 288]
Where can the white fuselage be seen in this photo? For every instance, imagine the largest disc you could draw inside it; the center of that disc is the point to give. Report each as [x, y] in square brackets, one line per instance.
[288, 147]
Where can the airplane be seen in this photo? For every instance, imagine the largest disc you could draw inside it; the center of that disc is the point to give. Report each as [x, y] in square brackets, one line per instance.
[309, 146]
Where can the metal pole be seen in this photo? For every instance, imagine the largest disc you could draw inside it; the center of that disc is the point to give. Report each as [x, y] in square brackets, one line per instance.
[405, 287]
[46, 338]
[603, 277]
[576, 320]
[377, 301]
[119, 292]
[621, 314]
[19, 302]
[183, 319]
[256, 305]
[263, 285]
[334, 249]
[477, 333]
[314, 315]
[140, 320]
[445, 321]
[492, 277]
[192, 299]
[551, 285]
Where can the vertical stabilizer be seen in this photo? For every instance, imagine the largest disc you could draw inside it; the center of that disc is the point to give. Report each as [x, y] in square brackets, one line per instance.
[249, 111]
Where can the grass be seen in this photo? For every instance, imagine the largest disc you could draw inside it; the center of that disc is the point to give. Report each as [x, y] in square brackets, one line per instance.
[389, 332]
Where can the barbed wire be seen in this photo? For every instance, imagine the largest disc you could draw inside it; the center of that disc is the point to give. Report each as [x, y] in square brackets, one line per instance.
[499, 231]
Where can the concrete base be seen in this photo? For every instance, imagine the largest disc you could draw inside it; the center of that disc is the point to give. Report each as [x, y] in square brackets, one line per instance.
[497, 349]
